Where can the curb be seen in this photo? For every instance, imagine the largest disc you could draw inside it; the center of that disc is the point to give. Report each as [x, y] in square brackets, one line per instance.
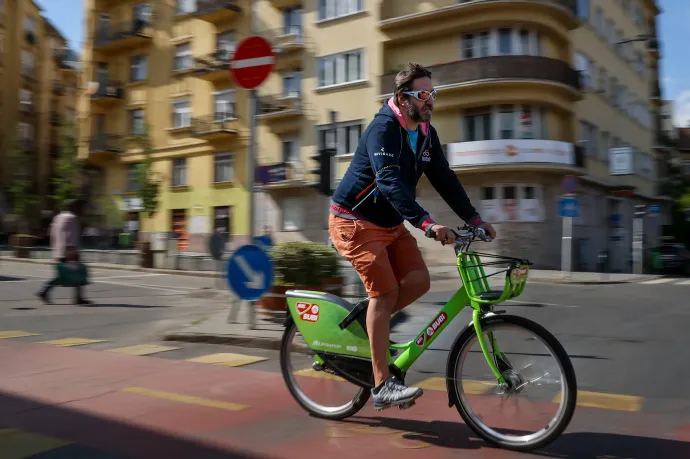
[175, 272]
[236, 340]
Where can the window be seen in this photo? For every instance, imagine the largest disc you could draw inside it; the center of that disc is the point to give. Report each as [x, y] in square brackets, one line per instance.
[225, 105]
[611, 30]
[136, 121]
[605, 145]
[223, 167]
[292, 84]
[28, 63]
[138, 68]
[468, 46]
[292, 21]
[186, 6]
[583, 9]
[132, 182]
[505, 41]
[341, 68]
[331, 9]
[478, 125]
[512, 203]
[290, 151]
[29, 25]
[293, 214]
[179, 175]
[348, 137]
[506, 122]
[603, 81]
[182, 113]
[142, 13]
[225, 45]
[25, 99]
[183, 56]
[599, 21]
[585, 65]
[221, 219]
[588, 137]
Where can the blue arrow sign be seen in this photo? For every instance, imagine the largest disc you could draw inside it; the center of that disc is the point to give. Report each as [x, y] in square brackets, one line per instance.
[569, 207]
[250, 272]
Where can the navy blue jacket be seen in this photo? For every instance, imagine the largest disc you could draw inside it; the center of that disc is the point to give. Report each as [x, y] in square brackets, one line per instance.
[380, 184]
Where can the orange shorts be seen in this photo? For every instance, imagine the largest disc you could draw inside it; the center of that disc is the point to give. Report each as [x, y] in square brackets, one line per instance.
[382, 257]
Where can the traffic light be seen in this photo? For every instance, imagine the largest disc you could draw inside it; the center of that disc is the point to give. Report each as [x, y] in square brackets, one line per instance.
[323, 170]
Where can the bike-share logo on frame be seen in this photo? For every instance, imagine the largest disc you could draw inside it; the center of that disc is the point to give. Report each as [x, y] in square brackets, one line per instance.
[308, 312]
[440, 319]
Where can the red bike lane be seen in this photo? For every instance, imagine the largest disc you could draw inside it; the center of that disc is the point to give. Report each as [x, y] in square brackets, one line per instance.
[145, 407]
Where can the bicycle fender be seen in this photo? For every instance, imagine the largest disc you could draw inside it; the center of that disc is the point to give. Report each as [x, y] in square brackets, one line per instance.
[453, 355]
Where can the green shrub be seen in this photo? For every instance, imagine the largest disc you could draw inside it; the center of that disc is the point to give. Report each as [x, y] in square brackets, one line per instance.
[303, 264]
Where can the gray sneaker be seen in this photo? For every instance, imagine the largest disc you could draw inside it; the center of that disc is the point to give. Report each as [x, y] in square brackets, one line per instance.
[392, 393]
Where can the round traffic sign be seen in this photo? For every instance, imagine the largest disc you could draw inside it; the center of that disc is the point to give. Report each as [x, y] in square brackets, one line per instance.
[570, 184]
[252, 62]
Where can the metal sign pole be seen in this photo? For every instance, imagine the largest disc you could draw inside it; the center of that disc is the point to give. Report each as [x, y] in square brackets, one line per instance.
[567, 246]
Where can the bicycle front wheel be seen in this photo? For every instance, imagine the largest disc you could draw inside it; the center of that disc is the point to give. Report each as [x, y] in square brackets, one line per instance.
[540, 378]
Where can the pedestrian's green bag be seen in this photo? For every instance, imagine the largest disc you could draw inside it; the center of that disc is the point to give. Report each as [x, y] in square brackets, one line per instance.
[72, 274]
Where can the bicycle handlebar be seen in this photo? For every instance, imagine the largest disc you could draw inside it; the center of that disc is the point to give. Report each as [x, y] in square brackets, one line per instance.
[465, 238]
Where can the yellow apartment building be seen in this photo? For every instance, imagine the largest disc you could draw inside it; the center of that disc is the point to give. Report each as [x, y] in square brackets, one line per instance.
[529, 91]
[39, 84]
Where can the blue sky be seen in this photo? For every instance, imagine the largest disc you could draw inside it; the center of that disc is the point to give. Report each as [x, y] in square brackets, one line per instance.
[674, 21]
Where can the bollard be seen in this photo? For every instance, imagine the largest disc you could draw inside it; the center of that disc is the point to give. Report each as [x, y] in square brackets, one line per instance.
[603, 264]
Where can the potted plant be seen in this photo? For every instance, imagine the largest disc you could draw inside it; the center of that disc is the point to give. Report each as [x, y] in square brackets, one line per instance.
[303, 266]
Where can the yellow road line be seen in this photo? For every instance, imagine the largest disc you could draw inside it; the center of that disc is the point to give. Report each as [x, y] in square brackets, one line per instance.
[311, 373]
[143, 349]
[181, 398]
[228, 359]
[67, 342]
[18, 444]
[469, 386]
[614, 402]
[15, 334]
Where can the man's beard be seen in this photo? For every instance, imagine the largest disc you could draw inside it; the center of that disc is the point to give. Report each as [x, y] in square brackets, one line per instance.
[419, 116]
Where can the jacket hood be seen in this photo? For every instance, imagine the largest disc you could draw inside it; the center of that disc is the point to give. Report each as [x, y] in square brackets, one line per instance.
[390, 109]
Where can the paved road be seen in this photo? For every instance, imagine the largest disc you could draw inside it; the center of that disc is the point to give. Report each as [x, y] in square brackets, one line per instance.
[114, 378]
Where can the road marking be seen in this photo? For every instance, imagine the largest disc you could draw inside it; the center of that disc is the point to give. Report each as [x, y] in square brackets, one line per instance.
[18, 444]
[658, 281]
[172, 290]
[172, 396]
[469, 386]
[687, 282]
[68, 342]
[228, 359]
[615, 402]
[311, 373]
[126, 277]
[143, 349]
[15, 334]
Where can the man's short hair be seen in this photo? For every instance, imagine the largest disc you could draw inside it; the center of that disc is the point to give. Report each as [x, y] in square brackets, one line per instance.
[405, 78]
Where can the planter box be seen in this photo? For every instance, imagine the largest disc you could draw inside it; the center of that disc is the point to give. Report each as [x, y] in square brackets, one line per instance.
[273, 303]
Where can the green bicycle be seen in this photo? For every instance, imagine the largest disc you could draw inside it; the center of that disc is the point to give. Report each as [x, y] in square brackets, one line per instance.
[336, 347]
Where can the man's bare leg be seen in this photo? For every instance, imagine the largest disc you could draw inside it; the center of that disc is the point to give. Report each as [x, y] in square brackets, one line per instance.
[411, 288]
[378, 326]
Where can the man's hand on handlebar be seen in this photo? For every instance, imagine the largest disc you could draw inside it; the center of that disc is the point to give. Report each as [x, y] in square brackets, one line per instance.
[489, 229]
[442, 234]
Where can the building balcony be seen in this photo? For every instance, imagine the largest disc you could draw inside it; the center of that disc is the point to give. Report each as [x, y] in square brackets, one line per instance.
[280, 4]
[516, 155]
[27, 109]
[55, 118]
[108, 94]
[217, 11]
[283, 113]
[106, 143]
[288, 45]
[126, 36]
[58, 88]
[500, 70]
[405, 20]
[213, 127]
[213, 67]
[280, 175]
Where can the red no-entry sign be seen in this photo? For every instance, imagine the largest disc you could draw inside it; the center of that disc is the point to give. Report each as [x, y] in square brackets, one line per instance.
[252, 62]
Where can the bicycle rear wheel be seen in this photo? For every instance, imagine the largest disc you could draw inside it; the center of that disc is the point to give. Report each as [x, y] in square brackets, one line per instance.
[485, 405]
[318, 390]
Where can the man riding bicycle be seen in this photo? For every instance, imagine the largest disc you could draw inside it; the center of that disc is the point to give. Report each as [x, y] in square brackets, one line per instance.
[375, 196]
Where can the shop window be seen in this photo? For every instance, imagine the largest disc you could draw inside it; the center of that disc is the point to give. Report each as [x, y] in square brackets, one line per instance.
[512, 203]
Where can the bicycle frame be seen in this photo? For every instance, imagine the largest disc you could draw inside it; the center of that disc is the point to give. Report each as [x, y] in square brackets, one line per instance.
[469, 264]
